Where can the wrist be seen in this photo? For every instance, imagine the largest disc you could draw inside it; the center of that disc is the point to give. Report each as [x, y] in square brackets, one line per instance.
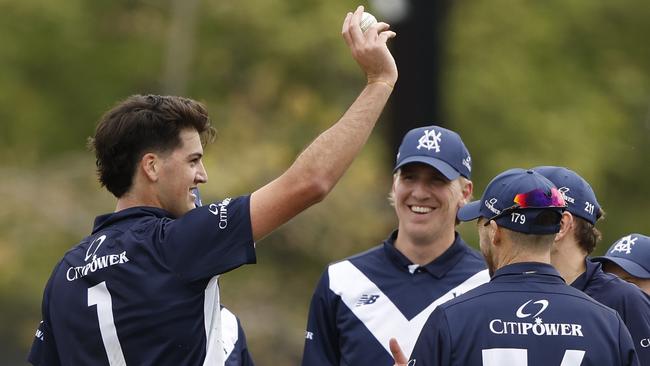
[381, 81]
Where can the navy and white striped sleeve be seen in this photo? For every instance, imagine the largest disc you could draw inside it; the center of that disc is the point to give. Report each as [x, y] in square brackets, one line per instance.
[321, 337]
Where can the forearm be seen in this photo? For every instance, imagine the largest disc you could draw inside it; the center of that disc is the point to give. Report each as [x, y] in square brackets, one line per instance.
[325, 160]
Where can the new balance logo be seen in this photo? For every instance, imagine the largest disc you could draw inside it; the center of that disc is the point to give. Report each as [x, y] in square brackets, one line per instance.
[367, 300]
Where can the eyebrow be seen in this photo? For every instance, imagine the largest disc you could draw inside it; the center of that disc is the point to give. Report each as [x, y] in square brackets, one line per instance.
[195, 155]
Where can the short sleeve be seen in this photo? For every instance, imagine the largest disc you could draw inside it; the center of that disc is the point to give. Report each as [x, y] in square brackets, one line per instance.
[321, 336]
[44, 351]
[209, 240]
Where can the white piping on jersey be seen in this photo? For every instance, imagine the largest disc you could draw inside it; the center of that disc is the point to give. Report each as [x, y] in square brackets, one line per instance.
[214, 354]
[383, 319]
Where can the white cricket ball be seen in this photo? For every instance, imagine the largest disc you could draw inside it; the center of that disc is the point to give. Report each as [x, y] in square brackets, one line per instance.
[367, 20]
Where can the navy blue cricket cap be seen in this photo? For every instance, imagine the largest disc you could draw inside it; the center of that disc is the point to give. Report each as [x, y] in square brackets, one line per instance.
[632, 253]
[438, 147]
[578, 194]
[516, 200]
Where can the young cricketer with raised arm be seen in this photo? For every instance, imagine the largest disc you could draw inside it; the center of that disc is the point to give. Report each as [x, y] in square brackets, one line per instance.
[142, 288]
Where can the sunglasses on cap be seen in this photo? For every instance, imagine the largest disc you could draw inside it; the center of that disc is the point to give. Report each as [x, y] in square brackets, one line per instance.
[537, 198]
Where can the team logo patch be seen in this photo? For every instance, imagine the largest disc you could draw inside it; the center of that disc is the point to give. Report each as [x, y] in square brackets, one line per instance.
[624, 245]
[430, 140]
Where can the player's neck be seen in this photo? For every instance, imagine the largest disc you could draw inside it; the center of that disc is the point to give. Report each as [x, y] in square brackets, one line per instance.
[510, 254]
[135, 198]
[569, 259]
[423, 251]
[143, 192]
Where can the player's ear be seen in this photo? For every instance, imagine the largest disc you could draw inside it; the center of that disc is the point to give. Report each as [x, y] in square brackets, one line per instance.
[150, 166]
[495, 233]
[466, 189]
[391, 194]
[566, 226]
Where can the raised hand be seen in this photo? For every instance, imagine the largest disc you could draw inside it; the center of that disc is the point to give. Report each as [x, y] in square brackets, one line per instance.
[369, 48]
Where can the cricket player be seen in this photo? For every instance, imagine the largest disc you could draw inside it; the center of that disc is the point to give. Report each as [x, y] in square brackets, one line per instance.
[142, 288]
[629, 259]
[574, 242]
[391, 289]
[526, 314]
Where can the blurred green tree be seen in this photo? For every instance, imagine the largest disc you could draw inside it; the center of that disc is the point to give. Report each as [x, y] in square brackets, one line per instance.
[525, 83]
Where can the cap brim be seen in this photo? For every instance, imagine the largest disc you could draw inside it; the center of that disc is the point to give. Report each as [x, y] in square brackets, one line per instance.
[447, 170]
[470, 211]
[628, 266]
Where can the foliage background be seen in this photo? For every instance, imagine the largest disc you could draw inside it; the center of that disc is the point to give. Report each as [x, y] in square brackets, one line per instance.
[526, 83]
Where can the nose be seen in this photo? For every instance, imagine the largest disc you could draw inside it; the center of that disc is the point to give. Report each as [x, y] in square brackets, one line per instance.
[201, 174]
[420, 191]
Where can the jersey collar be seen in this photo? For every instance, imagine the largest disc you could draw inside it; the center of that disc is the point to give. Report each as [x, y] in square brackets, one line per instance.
[528, 269]
[109, 219]
[438, 267]
[592, 268]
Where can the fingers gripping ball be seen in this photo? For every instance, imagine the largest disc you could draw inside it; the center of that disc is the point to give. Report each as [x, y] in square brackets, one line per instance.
[367, 20]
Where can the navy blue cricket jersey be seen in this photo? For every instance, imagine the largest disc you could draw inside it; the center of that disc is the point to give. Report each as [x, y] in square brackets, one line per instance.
[525, 316]
[142, 288]
[361, 302]
[631, 303]
[234, 340]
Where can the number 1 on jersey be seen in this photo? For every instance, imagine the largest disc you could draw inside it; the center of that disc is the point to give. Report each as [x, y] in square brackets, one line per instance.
[99, 295]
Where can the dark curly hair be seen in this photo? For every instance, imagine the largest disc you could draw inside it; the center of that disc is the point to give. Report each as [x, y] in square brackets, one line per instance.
[586, 233]
[141, 124]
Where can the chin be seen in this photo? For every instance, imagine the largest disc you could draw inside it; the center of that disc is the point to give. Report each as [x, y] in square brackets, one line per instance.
[421, 236]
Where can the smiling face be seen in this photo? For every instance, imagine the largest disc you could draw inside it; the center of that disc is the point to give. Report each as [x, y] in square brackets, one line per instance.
[181, 170]
[426, 203]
